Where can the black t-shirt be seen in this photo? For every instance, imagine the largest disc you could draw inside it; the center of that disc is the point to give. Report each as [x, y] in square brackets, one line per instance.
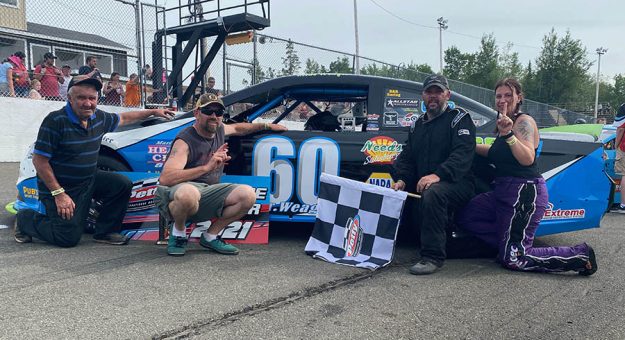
[201, 150]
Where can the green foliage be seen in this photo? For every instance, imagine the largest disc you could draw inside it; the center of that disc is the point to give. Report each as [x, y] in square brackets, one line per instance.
[260, 74]
[290, 61]
[457, 64]
[561, 70]
[312, 67]
[341, 65]
[484, 71]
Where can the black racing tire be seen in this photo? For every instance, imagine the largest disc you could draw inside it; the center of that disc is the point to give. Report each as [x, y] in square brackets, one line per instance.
[109, 163]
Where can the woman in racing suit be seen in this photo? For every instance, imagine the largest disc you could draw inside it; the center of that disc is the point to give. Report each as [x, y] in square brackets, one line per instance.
[519, 197]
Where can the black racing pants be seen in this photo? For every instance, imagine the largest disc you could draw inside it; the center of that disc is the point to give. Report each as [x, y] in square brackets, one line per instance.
[112, 189]
[433, 211]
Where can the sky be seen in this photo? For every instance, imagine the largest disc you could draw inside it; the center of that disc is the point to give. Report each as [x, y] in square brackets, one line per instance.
[406, 31]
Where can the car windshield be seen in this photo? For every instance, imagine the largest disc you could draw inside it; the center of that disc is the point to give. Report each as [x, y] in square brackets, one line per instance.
[295, 114]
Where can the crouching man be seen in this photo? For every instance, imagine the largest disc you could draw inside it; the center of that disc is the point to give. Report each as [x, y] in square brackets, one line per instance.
[189, 184]
[65, 157]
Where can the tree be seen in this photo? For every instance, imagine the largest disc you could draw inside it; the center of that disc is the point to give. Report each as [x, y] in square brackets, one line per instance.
[312, 67]
[457, 64]
[485, 70]
[271, 73]
[290, 60]
[509, 64]
[415, 72]
[340, 65]
[260, 74]
[561, 70]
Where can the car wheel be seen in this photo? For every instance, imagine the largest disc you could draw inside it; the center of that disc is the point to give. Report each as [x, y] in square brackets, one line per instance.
[109, 163]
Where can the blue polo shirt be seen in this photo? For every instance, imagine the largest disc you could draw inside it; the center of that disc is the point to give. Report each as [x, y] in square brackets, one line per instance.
[71, 148]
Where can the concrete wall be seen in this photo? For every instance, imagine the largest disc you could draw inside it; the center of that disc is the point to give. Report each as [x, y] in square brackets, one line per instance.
[12, 17]
[20, 121]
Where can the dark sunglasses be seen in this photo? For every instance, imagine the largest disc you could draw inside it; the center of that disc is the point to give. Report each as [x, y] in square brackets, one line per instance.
[216, 112]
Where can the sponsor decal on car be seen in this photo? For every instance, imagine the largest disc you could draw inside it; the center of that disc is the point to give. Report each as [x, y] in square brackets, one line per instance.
[352, 239]
[381, 179]
[381, 150]
[407, 102]
[157, 153]
[393, 93]
[409, 119]
[290, 208]
[30, 193]
[372, 117]
[390, 118]
[142, 194]
[559, 214]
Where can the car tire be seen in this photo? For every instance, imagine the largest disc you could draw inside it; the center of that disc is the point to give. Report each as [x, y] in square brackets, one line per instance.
[109, 163]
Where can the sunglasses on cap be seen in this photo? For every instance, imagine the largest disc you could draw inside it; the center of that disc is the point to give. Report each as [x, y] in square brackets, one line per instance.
[209, 111]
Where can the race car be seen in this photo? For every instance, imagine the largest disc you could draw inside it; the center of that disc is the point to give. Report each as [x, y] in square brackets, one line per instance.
[370, 119]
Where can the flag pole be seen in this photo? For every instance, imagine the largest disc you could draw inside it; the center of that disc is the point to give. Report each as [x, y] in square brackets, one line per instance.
[413, 195]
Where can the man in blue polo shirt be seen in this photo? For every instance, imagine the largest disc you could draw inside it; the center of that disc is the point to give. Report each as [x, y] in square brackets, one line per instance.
[65, 157]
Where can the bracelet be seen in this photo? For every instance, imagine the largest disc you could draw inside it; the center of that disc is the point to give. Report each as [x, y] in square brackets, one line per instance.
[511, 141]
[57, 191]
[508, 135]
[266, 126]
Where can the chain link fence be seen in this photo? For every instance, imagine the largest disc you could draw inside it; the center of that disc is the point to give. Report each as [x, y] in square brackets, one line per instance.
[120, 36]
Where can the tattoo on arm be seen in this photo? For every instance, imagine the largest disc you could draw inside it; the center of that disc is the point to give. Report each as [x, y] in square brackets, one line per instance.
[173, 152]
[527, 131]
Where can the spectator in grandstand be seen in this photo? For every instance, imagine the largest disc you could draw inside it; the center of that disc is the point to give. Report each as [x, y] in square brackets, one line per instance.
[619, 145]
[21, 78]
[133, 95]
[50, 77]
[6, 78]
[507, 217]
[147, 72]
[113, 91]
[34, 92]
[210, 87]
[65, 70]
[90, 69]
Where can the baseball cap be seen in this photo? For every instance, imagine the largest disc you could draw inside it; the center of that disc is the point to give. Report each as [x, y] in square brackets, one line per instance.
[85, 80]
[619, 119]
[49, 55]
[207, 99]
[435, 80]
[66, 66]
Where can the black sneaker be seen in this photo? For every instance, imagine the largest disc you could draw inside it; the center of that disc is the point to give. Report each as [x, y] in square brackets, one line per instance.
[116, 239]
[619, 209]
[591, 265]
[19, 236]
[424, 267]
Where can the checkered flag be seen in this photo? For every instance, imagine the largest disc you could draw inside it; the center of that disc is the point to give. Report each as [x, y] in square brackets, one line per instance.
[356, 223]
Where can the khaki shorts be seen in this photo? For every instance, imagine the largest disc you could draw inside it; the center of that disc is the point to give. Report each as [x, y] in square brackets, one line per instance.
[212, 199]
[619, 163]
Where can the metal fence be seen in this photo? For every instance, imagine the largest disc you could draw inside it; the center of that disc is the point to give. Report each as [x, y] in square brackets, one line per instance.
[120, 35]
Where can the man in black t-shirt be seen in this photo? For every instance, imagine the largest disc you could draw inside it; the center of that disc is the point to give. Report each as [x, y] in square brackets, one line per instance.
[65, 157]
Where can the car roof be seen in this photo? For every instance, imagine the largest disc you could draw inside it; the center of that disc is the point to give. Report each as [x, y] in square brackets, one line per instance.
[269, 89]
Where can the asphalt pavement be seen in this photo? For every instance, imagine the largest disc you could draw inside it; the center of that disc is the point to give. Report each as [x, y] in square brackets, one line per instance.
[275, 291]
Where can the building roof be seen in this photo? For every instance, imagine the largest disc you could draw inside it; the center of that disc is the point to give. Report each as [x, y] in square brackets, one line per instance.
[75, 36]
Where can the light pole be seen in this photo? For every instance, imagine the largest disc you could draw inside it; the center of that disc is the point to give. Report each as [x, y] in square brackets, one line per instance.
[442, 25]
[600, 51]
[356, 61]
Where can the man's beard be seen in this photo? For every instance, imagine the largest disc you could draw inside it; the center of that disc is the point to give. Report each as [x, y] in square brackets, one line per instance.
[433, 112]
[211, 129]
